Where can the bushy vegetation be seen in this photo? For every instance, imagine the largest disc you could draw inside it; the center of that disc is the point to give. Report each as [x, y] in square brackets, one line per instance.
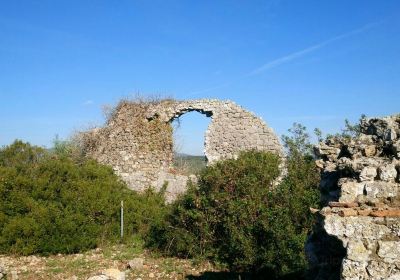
[236, 216]
[59, 202]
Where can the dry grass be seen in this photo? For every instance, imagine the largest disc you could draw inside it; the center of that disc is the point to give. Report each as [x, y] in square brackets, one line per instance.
[82, 266]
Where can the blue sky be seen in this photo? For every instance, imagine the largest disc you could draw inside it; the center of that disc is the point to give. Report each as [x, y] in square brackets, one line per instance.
[314, 62]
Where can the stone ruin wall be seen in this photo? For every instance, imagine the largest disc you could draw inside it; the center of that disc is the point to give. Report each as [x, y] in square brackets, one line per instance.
[137, 141]
[359, 228]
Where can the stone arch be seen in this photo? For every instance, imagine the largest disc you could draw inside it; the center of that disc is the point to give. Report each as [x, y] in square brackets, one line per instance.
[231, 130]
[137, 140]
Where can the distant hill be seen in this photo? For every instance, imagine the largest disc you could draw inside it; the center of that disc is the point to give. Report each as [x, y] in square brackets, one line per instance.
[189, 164]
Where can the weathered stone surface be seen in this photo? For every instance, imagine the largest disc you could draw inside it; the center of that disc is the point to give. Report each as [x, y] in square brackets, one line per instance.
[348, 212]
[349, 190]
[99, 277]
[343, 204]
[136, 263]
[360, 227]
[380, 189]
[385, 213]
[389, 251]
[369, 150]
[365, 215]
[354, 270]
[368, 173]
[378, 270]
[387, 172]
[2, 271]
[356, 251]
[138, 143]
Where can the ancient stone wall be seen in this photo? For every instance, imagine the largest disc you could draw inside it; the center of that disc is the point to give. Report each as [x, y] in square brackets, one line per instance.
[359, 227]
[137, 140]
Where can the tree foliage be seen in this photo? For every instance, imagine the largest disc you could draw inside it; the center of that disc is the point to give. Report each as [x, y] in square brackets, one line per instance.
[235, 216]
[52, 202]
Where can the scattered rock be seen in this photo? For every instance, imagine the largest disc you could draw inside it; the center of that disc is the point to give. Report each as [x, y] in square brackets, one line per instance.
[2, 272]
[114, 274]
[14, 275]
[136, 263]
[358, 232]
[99, 277]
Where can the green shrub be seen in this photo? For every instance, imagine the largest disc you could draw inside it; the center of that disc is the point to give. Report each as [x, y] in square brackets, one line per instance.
[235, 217]
[52, 202]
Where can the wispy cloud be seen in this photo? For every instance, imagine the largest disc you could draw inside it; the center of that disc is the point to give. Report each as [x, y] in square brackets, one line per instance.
[88, 103]
[303, 52]
[290, 57]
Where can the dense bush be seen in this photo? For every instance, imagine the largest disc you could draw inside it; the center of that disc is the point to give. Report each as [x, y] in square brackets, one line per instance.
[53, 202]
[234, 216]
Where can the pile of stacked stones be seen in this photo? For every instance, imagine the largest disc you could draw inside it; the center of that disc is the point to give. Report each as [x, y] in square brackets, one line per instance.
[359, 227]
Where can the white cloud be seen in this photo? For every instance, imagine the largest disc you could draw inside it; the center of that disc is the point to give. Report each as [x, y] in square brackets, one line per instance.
[88, 102]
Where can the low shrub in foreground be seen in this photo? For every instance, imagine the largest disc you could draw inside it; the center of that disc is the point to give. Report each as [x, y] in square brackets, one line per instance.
[234, 216]
[52, 202]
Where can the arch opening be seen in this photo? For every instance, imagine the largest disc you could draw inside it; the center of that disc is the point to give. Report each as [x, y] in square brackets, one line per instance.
[189, 138]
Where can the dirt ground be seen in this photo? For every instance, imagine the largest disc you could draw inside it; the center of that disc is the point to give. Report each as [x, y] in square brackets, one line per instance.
[94, 262]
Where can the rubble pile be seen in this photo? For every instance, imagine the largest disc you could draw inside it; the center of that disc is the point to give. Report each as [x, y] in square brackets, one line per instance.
[358, 232]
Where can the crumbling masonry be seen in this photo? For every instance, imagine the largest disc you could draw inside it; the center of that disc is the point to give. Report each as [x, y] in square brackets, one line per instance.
[358, 233]
[137, 140]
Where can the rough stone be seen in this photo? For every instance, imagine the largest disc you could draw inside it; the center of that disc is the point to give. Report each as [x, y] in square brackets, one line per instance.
[369, 150]
[389, 251]
[137, 140]
[368, 173]
[386, 213]
[387, 173]
[380, 189]
[365, 215]
[349, 190]
[354, 270]
[136, 263]
[360, 227]
[2, 271]
[114, 274]
[356, 251]
[99, 277]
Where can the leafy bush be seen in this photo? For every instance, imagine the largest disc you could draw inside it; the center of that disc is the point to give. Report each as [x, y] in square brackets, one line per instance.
[52, 202]
[235, 216]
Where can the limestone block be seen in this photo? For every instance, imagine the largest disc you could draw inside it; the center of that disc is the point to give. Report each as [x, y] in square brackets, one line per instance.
[378, 270]
[368, 173]
[394, 276]
[349, 190]
[356, 251]
[354, 270]
[387, 173]
[389, 251]
[369, 150]
[379, 189]
[360, 226]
